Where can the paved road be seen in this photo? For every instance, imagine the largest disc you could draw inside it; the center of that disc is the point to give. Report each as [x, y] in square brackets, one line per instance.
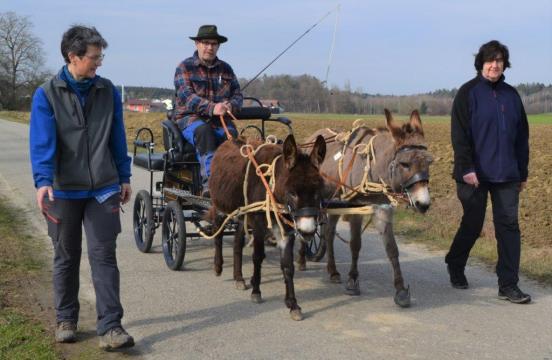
[194, 315]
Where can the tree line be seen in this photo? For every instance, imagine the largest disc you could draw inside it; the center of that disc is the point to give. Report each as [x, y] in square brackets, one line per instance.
[22, 71]
[306, 93]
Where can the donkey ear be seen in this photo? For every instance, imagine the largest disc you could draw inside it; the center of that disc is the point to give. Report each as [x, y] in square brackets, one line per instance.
[290, 152]
[318, 151]
[416, 122]
[395, 130]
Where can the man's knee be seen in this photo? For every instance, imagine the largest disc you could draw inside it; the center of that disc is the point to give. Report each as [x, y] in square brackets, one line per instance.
[204, 139]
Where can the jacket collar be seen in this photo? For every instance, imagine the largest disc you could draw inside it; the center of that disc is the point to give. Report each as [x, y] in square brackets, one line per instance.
[59, 82]
[489, 82]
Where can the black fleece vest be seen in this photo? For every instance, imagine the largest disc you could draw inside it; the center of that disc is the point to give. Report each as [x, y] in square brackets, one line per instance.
[83, 157]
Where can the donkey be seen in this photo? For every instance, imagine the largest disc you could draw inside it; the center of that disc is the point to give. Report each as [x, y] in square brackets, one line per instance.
[298, 186]
[401, 160]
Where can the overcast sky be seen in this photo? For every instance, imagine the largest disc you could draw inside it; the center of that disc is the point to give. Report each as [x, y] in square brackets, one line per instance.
[387, 47]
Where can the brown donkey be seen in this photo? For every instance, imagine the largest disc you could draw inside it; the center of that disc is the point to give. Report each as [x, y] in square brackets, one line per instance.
[298, 186]
[399, 158]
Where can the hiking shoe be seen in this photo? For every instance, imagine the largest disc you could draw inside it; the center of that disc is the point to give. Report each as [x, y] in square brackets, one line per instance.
[513, 294]
[457, 278]
[66, 332]
[116, 338]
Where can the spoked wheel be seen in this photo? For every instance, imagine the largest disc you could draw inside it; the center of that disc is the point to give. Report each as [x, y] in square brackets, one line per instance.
[252, 131]
[316, 247]
[142, 221]
[173, 235]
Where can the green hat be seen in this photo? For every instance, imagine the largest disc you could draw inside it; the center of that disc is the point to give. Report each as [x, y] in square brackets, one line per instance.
[209, 32]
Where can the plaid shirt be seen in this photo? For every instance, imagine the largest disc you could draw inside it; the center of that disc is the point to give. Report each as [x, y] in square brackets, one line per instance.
[200, 87]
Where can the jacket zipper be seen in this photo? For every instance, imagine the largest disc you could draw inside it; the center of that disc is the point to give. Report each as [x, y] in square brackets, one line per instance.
[88, 153]
[82, 122]
[500, 127]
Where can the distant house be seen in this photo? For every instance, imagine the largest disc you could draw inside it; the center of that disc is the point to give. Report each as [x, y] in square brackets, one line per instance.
[138, 105]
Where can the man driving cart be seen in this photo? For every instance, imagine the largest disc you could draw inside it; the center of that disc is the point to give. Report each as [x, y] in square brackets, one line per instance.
[206, 87]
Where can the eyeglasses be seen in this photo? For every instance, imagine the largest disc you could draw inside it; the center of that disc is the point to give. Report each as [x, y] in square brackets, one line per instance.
[96, 58]
[209, 43]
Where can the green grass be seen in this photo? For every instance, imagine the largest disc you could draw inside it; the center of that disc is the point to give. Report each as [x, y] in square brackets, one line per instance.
[22, 338]
[545, 118]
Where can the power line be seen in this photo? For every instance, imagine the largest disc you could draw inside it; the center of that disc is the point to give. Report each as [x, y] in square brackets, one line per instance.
[289, 47]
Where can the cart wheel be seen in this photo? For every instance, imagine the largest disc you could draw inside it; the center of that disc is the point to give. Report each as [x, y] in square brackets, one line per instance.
[143, 221]
[316, 248]
[173, 235]
[252, 131]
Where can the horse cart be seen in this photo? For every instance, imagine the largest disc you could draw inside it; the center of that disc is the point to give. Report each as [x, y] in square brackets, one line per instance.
[175, 201]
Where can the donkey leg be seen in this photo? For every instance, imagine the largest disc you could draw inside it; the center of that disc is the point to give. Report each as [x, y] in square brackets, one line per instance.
[218, 260]
[335, 277]
[301, 259]
[239, 242]
[353, 286]
[286, 264]
[384, 225]
[258, 257]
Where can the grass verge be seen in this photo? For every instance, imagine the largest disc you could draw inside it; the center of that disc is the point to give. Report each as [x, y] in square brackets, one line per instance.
[17, 116]
[21, 335]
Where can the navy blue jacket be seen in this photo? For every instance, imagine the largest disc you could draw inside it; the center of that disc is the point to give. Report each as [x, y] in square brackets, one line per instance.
[489, 132]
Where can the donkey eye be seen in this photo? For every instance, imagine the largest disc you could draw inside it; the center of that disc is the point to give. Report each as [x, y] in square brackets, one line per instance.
[404, 164]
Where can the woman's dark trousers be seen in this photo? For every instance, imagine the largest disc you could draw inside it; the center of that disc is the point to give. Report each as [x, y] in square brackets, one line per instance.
[505, 201]
[101, 222]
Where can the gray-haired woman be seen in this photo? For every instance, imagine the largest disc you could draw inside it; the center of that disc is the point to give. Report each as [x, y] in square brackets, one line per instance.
[82, 174]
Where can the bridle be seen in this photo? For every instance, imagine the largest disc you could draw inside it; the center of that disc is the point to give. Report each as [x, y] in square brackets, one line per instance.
[296, 213]
[417, 177]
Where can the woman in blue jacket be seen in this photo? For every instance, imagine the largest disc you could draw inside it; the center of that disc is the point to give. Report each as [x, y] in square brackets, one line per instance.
[490, 139]
[82, 174]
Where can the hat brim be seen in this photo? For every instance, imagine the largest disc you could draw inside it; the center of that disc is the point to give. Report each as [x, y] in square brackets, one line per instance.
[220, 39]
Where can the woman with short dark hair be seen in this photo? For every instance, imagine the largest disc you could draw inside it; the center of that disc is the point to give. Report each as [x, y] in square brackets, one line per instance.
[81, 171]
[490, 139]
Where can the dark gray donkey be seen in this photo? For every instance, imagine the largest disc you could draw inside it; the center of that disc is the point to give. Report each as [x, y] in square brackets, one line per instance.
[397, 156]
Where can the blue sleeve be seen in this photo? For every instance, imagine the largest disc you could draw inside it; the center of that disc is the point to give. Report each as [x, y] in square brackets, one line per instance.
[117, 141]
[42, 140]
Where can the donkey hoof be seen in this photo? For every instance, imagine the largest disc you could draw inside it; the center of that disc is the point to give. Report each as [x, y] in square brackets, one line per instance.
[353, 287]
[402, 297]
[218, 270]
[296, 314]
[256, 298]
[335, 278]
[301, 266]
[240, 285]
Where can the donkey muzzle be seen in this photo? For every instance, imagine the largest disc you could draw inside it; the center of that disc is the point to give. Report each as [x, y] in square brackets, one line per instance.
[306, 220]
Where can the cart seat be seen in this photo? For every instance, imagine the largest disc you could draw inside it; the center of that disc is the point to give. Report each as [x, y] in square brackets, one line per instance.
[177, 148]
[143, 160]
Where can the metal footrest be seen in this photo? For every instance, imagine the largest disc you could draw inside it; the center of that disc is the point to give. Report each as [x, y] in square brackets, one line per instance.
[188, 197]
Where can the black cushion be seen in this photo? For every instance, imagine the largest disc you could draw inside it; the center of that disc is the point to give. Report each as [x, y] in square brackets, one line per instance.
[173, 139]
[142, 160]
[253, 112]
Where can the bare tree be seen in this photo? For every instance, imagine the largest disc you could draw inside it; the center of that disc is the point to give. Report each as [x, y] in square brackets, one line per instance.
[21, 61]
